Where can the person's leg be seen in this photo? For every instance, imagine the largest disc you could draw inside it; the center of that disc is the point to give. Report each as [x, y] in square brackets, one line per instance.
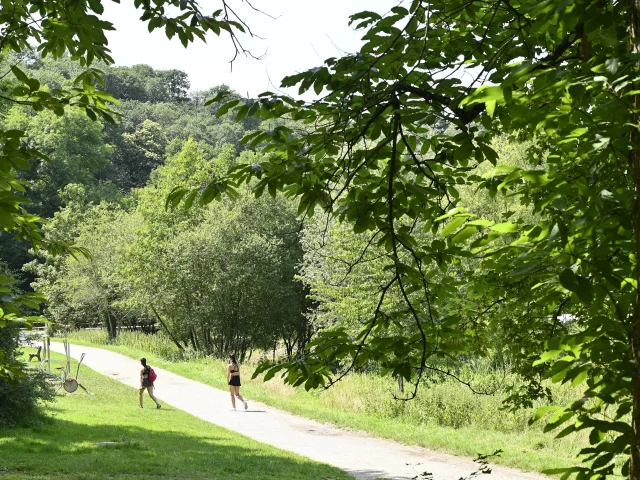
[233, 397]
[237, 393]
[140, 392]
[153, 397]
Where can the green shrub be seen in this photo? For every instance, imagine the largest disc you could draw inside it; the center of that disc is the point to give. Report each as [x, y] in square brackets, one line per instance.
[442, 400]
[158, 344]
[20, 405]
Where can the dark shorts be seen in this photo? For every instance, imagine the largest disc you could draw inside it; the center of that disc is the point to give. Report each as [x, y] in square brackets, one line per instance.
[235, 381]
[146, 383]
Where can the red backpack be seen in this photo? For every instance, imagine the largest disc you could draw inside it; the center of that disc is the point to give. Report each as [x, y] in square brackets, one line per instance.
[152, 375]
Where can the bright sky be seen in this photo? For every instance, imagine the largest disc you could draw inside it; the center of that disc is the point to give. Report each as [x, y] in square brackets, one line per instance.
[301, 37]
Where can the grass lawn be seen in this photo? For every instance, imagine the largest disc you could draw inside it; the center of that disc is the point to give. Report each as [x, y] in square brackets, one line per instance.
[529, 450]
[150, 443]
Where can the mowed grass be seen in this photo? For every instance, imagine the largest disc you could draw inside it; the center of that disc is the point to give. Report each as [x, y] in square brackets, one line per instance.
[149, 443]
[350, 403]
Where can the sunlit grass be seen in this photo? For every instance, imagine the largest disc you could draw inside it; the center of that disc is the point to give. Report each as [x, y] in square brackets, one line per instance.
[447, 416]
[143, 444]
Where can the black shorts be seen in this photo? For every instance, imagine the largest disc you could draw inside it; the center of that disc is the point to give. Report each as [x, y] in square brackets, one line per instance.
[234, 380]
[146, 383]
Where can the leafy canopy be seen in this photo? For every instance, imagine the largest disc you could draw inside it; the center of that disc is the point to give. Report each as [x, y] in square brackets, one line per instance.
[55, 28]
[563, 75]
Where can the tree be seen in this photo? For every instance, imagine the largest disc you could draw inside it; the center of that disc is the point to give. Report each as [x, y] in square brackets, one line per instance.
[177, 84]
[56, 28]
[216, 280]
[73, 149]
[20, 400]
[141, 152]
[123, 84]
[178, 121]
[144, 84]
[564, 76]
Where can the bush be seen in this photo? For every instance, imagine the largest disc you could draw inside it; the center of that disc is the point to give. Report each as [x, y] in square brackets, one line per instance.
[20, 405]
[158, 344]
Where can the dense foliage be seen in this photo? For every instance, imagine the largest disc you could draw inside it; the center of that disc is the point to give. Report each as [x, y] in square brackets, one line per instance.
[20, 400]
[55, 29]
[409, 270]
[218, 280]
[561, 75]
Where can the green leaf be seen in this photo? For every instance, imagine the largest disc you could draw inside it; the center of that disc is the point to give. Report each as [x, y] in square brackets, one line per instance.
[481, 223]
[542, 411]
[19, 74]
[208, 194]
[6, 219]
[507, 227]
[486, 93]
[242, 112]
[546, 356]
[20, 91]
[188, 202]
[576, 284]
[581, 376]
[491, 107]
[596, 436]
[464, 234]
[453, 225]
[566, 471]
[226, 107]
[174, 197]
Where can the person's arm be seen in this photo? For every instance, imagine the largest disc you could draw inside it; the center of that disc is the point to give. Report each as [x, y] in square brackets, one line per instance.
[141, 377]
[228, 373]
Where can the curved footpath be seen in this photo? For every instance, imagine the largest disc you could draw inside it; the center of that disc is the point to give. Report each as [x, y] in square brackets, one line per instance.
[359, 454]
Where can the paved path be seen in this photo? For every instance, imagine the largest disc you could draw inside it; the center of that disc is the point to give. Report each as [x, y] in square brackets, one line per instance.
[361, 455]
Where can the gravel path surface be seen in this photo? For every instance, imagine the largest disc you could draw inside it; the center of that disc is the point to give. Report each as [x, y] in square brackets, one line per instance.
[361, 455]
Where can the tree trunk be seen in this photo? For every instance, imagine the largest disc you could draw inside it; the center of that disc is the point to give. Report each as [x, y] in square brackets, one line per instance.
[111, 326]
[634, 471]
[304, 339]
[634, 327]
[164, 325]
[194, 344]
[204, 344]
[194, 338]
[288, 345]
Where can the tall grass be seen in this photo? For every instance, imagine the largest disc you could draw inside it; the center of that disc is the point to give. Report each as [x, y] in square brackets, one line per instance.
[444, 402]
[158, 344]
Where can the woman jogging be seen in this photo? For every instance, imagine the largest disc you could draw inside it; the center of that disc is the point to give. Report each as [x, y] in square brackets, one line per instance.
[147, 376]
[233, 379]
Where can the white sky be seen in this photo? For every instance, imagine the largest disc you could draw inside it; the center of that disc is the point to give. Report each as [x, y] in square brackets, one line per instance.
[304, 34]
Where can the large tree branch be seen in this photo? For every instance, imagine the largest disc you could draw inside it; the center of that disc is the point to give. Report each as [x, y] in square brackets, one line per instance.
[465, 115]
[153, 309]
